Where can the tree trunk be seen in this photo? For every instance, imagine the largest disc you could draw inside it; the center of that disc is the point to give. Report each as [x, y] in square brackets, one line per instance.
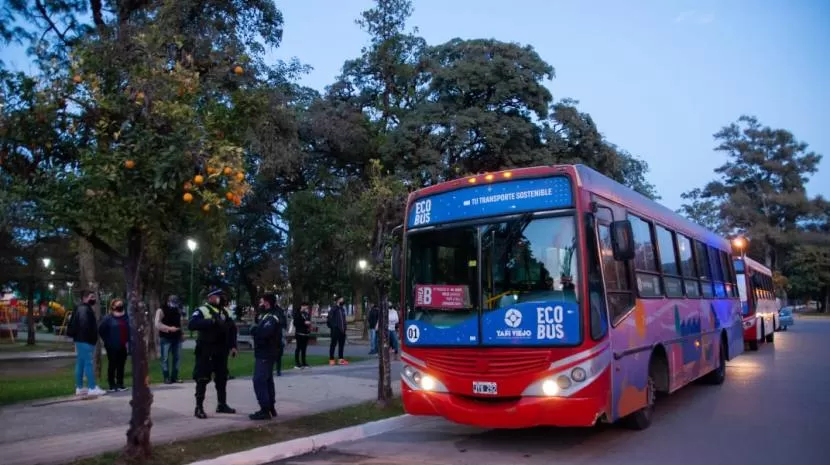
[86, 266]
[137, 448]
[30, 313]
[384, 362]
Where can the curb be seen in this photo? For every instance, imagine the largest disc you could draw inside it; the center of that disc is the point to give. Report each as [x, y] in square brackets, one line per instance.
[301, 446]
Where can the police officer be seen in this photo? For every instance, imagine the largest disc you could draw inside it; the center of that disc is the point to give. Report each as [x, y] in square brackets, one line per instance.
[216, 340]
[267, 336]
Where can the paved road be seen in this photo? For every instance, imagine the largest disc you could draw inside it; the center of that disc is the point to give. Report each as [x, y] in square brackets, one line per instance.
[698, 425]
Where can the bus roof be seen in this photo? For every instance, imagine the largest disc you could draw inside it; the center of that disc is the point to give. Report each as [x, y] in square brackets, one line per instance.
[597, 183]
[593, 181]
[757, 266]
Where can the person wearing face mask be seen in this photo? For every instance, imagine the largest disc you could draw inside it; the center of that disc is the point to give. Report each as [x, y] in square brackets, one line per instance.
[169, 325]
[83, 329]
[216, 340]
[115, 332]
[267, 335]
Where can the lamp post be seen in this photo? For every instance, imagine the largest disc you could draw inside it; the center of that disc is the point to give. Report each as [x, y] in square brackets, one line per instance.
[740, 244]
[69, 286]
[46, 262]
[191, 245]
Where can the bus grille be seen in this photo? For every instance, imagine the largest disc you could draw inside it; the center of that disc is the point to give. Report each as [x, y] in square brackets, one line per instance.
[503, 363]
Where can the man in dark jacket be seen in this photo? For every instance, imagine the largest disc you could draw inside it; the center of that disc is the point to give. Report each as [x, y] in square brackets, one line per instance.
[267, 336]
[217, 338]
[83, 328]
[336, 321]
[372, 321]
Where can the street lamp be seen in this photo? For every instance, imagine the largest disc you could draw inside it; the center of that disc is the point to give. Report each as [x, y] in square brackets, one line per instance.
[362, 264]
[740, 244]
[69, 284]
[51, 286]
[192, 245]
[46, 262]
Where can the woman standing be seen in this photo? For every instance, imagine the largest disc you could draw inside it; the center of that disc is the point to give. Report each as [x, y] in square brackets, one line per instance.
[115, 333]
[302, 331]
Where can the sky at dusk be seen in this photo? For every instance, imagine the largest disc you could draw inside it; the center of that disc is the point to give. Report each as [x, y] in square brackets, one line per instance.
[658, 77]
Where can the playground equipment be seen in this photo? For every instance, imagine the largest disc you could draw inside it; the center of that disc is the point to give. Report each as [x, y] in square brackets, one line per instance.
[14, 311]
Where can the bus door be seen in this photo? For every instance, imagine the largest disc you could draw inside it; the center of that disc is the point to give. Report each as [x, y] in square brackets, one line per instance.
[627, 388]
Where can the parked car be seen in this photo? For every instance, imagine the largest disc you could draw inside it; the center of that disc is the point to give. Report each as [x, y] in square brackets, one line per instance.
[785, 318]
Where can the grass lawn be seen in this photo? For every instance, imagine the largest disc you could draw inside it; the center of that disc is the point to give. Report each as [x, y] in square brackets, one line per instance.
[18, 346]
[182, 452]
[40, 379]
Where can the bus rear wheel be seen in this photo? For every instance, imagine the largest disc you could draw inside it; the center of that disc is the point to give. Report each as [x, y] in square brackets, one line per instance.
[718, 375]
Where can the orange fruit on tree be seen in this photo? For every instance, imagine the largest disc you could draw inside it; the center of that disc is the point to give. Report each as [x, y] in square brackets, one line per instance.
[129, 164]
[238, 70]
[228, 171]
[209, 170]
[237, 200]
[199, 179]
[229, 196]
[188, 186]
[77, 79]
[240, 176]
[206, 207]
[187, 197]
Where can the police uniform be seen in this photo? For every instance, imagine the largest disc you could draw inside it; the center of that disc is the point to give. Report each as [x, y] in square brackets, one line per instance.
[217, 336]
[267, 336]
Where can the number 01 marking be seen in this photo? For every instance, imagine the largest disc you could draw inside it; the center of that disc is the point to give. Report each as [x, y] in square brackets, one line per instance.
[413, 333]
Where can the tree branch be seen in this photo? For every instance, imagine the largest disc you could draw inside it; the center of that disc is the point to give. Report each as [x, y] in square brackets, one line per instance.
[52, 26]
[97, 15]
[99, 244]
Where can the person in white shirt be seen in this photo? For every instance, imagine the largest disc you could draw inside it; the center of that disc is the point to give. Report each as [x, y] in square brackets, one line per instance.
[394, 319]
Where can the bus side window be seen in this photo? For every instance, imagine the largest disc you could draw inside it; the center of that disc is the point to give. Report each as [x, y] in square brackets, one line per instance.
[596, 302]
[617, 284]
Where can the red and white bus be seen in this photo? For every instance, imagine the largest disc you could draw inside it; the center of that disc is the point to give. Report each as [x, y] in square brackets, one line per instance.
[556, 296]
[759, 306]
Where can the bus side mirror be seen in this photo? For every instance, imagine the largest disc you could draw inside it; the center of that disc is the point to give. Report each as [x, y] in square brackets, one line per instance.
[396, 262]
[622, 240]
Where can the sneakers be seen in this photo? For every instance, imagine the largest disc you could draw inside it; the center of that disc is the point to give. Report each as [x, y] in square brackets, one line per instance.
[200, 413]
[80, 391]
[121, 388]
[332, 363]
[96, 391]
[112, 390]
[273, 412]
[343, 361]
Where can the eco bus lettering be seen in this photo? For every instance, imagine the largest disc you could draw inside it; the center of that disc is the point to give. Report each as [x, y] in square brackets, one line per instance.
[422, 212]
[549, 322]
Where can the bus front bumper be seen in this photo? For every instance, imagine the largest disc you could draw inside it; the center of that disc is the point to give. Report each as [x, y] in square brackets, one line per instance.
[524, 412]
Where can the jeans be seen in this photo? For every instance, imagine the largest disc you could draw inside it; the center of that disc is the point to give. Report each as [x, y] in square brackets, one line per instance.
[83, 365]
[373, 341]
[264, 383]
[393, 340]
[116, 359]
[168, 346]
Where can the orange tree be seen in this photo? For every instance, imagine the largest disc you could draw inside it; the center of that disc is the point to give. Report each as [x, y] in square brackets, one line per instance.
[134, 128]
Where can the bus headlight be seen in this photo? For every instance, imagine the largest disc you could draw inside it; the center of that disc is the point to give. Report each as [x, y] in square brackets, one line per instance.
[550, 388]
[428, 383]
[578, 374]
[563, 382]
[418, 381]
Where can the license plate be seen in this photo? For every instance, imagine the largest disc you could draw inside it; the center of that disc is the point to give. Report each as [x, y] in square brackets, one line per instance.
[485, 388]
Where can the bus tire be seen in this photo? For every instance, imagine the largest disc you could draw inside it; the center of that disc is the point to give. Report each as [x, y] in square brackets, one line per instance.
[641, 419]
[718, 375]
[771, 337]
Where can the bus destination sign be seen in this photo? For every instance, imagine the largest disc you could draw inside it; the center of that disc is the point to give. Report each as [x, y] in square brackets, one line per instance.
[500, 198]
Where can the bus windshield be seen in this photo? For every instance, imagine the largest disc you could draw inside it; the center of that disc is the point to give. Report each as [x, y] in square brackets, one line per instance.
[522, 292]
